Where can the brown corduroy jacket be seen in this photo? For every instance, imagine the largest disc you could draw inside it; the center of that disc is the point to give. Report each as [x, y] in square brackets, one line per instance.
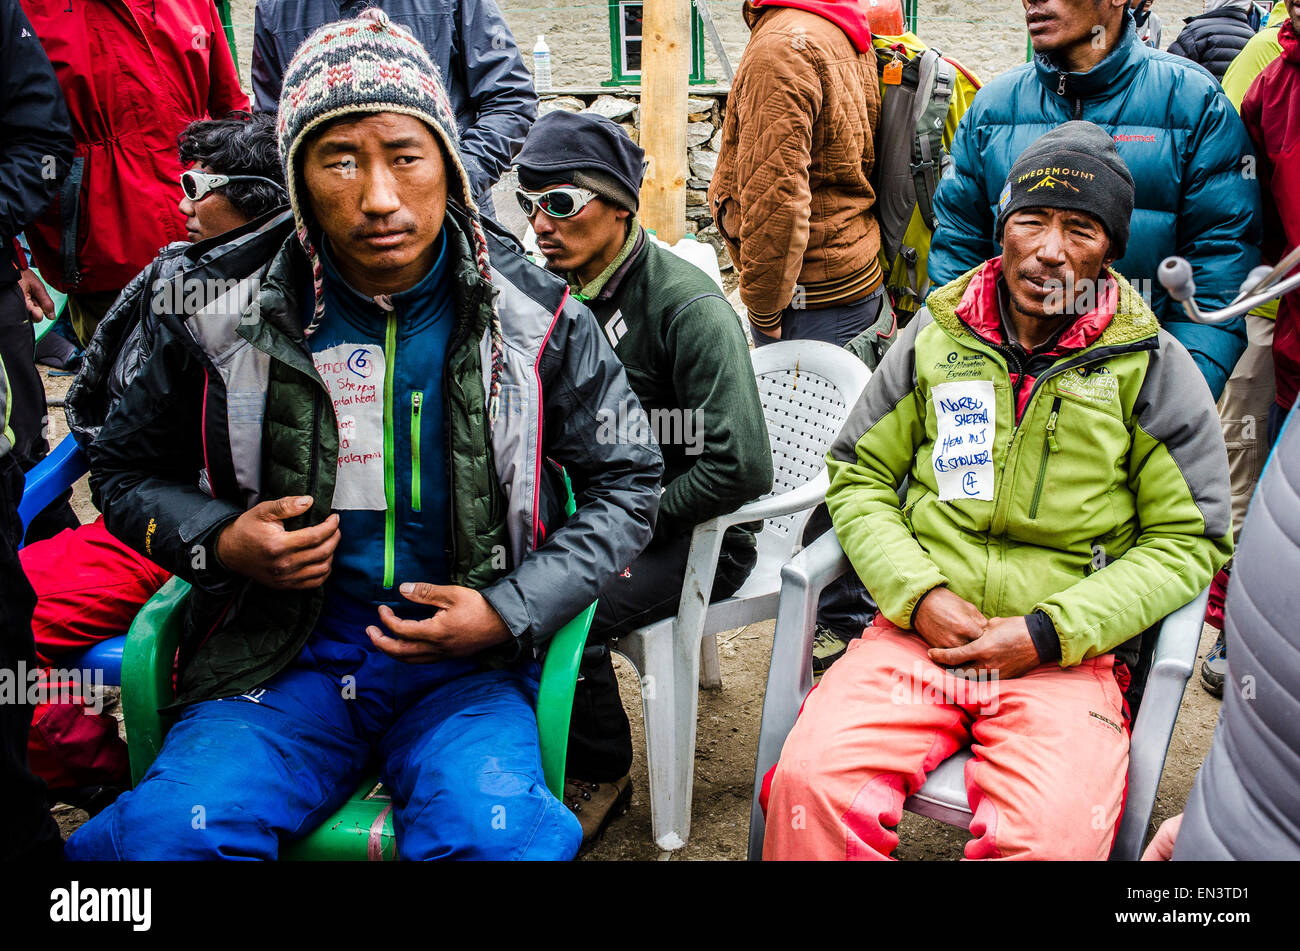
[791, 194]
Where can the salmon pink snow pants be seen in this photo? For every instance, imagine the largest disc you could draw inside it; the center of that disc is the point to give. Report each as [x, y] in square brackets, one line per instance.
[1046, 782]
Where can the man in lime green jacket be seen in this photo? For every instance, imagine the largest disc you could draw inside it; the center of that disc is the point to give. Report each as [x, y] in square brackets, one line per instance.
[1067, 487]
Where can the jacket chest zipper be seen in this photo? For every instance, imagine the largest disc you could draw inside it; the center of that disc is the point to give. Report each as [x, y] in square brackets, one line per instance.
[1060, 86]
[417, 399]
[390, 481]
[1000, 498]
[1049, 447]
[314, 458]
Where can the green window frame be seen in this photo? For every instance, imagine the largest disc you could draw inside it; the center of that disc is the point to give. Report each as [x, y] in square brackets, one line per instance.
[625, 49]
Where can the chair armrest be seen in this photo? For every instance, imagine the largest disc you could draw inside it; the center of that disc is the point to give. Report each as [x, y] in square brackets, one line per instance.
[809, 494]
[820, 563]
[1171, 666]
[706, 546]
[789, 675]
[147, 670]
[555, 696]
[51, 477]
[1179, 639]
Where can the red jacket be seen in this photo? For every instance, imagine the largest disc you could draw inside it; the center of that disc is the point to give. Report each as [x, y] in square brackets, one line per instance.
[1271, 112]
[134, 74]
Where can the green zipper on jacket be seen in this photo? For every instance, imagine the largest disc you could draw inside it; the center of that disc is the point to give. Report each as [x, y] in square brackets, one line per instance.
[417, 398]
[1049, 447]
[390, 481]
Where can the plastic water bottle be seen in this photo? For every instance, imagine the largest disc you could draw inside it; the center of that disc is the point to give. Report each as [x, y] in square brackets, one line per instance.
[699, 253]
[542, 65]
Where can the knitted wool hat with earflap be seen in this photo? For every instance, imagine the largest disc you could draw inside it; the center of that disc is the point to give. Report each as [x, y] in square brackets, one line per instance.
[366, 65]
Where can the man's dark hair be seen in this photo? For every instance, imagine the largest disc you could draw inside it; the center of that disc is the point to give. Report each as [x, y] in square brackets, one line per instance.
[239, 144]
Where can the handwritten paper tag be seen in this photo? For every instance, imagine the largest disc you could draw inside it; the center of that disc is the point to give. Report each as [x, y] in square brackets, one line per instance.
[354, 375]
[963, 448]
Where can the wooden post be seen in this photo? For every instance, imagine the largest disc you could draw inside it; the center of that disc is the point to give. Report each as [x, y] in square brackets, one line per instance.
[665, 75]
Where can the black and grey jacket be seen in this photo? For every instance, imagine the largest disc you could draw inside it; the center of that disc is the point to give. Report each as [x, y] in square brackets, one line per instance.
[230, 410]
[122, 344]
[124, 339]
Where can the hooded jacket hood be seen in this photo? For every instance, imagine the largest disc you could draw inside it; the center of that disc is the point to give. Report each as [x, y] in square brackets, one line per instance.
[848, 16]
[1213, 5]
[1289, 42]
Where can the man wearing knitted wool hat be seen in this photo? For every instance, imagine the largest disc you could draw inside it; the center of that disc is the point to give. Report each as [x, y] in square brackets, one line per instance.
[365, 540]
[1067, 487]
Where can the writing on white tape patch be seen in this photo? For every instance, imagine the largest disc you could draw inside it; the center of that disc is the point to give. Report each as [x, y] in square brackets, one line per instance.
[354, 375]
[963, 446]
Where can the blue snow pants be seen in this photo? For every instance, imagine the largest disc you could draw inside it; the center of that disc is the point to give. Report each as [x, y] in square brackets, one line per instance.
[456, 746]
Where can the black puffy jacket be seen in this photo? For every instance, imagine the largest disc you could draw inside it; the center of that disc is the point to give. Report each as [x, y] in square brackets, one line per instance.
[1214, 39]
[122, 344]
[124, 339]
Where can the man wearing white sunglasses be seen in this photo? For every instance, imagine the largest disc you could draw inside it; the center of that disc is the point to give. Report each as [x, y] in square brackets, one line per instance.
[687, 361]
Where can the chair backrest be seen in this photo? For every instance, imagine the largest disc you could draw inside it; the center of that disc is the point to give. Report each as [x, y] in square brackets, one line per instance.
[807, 389]
[51, 477]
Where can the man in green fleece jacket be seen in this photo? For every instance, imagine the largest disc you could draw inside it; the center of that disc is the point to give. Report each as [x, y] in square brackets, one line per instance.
[687, 360]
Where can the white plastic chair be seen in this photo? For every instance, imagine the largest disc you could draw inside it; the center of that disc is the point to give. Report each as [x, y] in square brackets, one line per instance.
[943, 797]
[807, 389]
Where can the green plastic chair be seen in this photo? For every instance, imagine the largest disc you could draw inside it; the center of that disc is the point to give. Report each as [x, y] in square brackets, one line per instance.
[362, 829]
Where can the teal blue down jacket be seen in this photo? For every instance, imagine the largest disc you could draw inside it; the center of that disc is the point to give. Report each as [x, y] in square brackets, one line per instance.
[1191, 160]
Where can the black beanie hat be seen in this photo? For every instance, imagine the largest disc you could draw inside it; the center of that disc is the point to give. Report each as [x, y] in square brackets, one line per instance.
[1073, 166]
[587, 150]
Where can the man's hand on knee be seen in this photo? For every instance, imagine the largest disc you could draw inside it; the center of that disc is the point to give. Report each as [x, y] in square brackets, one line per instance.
[463, 625]
[1004, 646]
[257, 545]
[944, 619]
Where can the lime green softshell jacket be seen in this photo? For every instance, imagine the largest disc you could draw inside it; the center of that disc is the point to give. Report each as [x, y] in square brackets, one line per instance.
[1110, 503]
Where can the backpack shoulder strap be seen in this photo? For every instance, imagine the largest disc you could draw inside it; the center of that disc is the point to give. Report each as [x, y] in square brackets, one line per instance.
[935, 83]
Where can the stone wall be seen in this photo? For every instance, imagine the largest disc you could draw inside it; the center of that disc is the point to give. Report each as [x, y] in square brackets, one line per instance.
[988, 38]
[703, 137]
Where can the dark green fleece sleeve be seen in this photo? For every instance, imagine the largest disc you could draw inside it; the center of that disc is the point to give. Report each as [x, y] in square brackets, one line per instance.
[723, 436]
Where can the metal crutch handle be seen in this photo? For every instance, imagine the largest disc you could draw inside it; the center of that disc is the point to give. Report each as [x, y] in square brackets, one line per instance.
[1262, 285]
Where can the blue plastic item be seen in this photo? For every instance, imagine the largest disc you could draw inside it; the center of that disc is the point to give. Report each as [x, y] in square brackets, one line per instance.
[50, 478]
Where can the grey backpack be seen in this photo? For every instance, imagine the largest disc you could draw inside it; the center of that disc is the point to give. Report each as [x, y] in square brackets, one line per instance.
[917, 86]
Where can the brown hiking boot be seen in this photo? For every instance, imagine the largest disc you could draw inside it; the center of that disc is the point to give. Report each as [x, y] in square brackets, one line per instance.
[597, 804]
